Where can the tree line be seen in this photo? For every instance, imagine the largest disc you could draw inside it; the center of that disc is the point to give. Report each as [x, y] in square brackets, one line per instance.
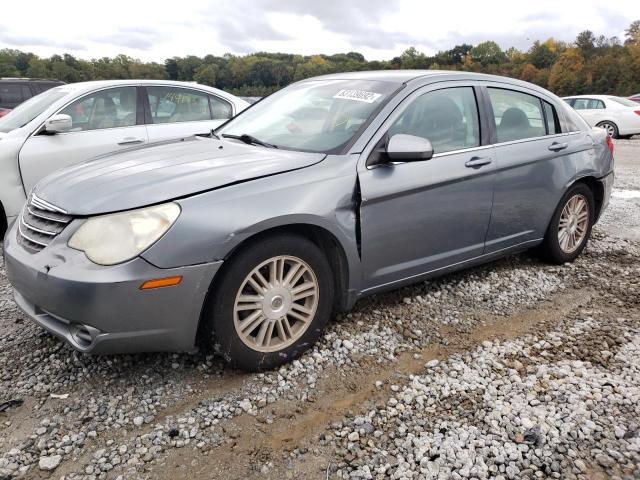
[590, 64]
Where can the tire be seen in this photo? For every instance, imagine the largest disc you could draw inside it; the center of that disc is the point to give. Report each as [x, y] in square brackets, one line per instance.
[236, 303]
[557, 250]
[611, 129]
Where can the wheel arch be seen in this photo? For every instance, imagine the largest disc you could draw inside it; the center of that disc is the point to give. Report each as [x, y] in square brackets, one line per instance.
[3, 221]
[596, 188]
[326, 240]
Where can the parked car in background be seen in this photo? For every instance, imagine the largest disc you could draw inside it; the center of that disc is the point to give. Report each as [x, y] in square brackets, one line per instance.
[635, 98]
[73, 123]
[620, 117]
[14, 91]
[251, 100]
[329, 190]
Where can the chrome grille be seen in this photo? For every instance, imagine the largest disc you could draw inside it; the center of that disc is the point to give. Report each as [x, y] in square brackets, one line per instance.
[39, 223]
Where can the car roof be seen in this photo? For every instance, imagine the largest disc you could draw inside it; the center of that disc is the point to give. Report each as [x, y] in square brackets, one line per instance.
[597, 97]
[405, 76]
[401, 77]
[85, 87]
[23, 79]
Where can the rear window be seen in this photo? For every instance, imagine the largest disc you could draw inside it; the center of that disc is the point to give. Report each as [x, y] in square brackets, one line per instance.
[588, 104]
[551, 118]
[517, 115]
[12, 94]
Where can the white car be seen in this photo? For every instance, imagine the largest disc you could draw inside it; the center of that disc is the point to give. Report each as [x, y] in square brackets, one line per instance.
[620, 117]
[76, 122]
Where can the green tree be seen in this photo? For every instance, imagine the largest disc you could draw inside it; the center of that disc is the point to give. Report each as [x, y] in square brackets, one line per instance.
[488, 52]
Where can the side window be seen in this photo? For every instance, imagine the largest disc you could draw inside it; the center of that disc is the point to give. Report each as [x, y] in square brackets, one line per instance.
[553, 126]
[220, 109]
[588, 104]
[172, 105]
[112, 108]
[448, 118]
[517, 115]
[10, 94]
[26, 93]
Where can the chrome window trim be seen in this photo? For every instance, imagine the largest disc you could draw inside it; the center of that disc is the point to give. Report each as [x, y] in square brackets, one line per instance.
[533, 139]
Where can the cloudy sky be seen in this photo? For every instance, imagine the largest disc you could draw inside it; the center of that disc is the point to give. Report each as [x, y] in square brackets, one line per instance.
[380, 29]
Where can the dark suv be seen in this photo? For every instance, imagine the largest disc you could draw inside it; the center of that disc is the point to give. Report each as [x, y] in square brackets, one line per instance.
[14, 91]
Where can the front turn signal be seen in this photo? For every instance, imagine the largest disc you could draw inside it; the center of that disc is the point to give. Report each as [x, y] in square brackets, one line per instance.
[161, 282]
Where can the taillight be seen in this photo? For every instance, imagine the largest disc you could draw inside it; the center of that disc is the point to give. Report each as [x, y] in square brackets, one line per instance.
[637, 112]
[610, 143]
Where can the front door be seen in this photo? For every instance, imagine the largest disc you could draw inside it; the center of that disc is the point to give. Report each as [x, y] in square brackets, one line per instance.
[422, 216]
[104, 121]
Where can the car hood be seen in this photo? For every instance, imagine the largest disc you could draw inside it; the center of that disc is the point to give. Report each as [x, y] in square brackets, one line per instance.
[162, 172]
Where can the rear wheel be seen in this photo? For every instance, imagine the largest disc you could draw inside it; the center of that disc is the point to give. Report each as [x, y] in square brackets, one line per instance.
[270, 303]
[570, 226]
[611, 129]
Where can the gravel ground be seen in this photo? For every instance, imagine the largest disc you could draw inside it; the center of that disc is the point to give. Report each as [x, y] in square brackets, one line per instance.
[516, 369]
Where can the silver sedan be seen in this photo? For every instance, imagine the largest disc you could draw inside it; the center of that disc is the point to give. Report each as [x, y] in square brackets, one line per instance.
[246, 240]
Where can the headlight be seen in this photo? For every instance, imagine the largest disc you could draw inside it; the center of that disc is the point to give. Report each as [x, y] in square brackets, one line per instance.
[118, 237]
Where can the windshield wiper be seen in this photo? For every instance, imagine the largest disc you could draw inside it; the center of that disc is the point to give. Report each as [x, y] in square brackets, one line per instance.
[249, 139]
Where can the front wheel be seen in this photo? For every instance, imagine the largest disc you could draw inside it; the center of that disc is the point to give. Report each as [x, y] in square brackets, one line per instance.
[570, 226]
[270, 303]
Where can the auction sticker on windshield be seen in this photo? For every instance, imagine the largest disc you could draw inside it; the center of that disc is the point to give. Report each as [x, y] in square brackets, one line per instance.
[358, 95]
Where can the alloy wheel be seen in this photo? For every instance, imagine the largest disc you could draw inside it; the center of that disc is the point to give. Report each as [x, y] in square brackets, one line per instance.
[276, 303]
[609, 128]
[574, 223]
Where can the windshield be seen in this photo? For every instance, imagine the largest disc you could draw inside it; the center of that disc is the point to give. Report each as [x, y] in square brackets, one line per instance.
[624, 101]
[27, 111]
[314, 116]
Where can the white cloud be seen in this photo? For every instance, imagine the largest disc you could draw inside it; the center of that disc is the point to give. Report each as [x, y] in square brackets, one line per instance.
[380, 29]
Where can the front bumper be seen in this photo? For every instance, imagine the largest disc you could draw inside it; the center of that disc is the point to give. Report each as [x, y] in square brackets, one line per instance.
[102, 310]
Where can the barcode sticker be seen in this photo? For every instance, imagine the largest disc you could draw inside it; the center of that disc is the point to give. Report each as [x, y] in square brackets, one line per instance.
[358, 95]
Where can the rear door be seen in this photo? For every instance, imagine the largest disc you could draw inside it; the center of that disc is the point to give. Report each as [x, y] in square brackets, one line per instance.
[104, 121]
[535, 160]
[418, 217]
[176, 112]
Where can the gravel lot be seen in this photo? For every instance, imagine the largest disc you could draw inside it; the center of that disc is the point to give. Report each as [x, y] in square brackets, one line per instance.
[513, 370]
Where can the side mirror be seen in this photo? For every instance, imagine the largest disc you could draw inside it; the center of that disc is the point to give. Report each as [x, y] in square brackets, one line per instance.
[408, 148]
[58, 123]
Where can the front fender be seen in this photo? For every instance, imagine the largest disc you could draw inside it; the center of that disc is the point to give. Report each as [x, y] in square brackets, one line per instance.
[215, 223]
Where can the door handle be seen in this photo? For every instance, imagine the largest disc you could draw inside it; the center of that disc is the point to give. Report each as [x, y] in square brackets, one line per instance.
[556, 147]
[130, 141]
[477, 162]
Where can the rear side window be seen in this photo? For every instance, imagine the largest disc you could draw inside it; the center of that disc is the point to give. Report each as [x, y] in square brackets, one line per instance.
[448, 118]
[517, 115]
[551, 118]
[175, 105]
[220, 109]
[11, 94]
[588, 104]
